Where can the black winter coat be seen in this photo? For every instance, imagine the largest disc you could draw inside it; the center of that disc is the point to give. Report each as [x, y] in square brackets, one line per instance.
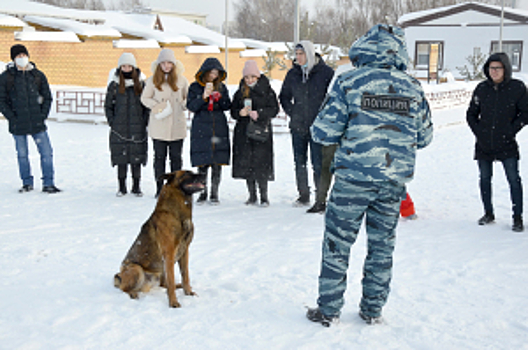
[128, 120]
[209, 130]
[301, 101]
[496, 113]
[26, 103]
[253, 159]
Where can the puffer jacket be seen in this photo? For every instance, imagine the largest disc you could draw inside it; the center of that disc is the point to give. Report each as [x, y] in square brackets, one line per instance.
[173, 127]
[127, 118]
[497, 112]
[376, 113]
[209, 130]
[27, 104]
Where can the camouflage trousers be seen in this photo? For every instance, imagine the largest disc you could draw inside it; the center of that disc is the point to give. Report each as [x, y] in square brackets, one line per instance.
[349, 203]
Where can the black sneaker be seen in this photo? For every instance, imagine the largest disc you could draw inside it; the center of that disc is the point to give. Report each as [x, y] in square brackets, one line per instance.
[315, 315]
[517, 224]
[202, 198]
[251, 200]
[120, 193]
[50, 189]
[137, 192]
[318, 207]
[264, 203]
[369, 319]
[486, 219]
[26, 188]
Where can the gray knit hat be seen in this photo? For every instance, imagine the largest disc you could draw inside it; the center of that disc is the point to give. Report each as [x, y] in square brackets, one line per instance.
[127, 58]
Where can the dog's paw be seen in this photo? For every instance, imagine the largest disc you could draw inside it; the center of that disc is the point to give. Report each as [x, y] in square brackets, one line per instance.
[174, 303]
[190, 292]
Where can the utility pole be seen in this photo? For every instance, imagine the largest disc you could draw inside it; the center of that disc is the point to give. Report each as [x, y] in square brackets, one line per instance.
[501, 25]
[226, 33]
[296, 23]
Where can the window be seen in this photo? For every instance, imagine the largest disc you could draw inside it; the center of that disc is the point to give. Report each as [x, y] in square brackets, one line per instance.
[514, 51]
[422, 51]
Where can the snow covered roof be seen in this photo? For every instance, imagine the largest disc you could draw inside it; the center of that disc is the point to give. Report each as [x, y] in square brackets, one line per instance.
[419, 17]
[263, 45]
[69, 37]
[136, 44]
[202, 49]
[22, 8]
[84, 29]
[10, 21]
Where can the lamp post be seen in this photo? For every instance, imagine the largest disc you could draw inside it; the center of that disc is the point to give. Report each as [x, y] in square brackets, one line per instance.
[226, 33]
[296, 23]
[501, 25]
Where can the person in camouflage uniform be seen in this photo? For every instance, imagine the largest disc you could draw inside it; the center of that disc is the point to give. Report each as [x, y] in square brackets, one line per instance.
[378, 116]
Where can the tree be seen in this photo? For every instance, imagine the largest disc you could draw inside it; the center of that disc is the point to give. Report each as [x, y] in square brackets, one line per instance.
[271, 61]
[474, 71]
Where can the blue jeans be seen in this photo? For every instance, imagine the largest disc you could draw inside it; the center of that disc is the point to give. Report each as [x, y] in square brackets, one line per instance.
[511, 168]
[300, 143]
[46, 158]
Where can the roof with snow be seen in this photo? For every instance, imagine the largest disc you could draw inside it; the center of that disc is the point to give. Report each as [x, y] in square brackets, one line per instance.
[423, 17]
[83, 29]
[9, 21]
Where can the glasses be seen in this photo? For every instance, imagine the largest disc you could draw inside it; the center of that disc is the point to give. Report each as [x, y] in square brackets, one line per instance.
[496, 68]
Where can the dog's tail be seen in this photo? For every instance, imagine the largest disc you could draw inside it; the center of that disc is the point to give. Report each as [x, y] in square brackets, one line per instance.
[130, 280]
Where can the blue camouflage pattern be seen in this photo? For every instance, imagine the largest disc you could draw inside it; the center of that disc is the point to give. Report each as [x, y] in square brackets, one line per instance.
[375, 144]
[378, 117]
[349, 203]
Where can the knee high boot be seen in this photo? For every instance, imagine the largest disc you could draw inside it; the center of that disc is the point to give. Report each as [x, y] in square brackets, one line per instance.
[203, 196]
[121, 177]
[216, 175]
[136, 176]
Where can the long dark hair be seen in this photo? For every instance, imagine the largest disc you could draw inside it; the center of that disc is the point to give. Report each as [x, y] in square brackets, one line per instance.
[138, 87]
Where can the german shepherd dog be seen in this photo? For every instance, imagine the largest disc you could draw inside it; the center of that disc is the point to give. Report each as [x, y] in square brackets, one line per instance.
[164, 239]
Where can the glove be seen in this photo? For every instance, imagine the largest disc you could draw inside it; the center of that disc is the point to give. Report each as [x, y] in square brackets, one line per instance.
[162, 110]
[214, 97]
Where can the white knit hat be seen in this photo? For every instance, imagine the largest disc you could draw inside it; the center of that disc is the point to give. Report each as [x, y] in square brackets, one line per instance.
[166, 55]
[127, 58]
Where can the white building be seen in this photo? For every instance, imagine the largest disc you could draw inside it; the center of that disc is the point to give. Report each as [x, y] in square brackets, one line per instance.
[459, 31]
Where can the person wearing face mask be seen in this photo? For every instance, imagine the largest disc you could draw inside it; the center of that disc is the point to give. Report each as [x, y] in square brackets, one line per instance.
[302, 94]
[210, 147]
[254, 102]
[165, 94]
[127, 118]
[25, 101]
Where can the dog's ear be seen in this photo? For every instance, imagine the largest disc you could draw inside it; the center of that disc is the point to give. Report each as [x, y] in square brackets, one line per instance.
[169, 177]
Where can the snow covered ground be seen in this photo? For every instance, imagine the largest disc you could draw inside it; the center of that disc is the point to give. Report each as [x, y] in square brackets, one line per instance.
[456, 285]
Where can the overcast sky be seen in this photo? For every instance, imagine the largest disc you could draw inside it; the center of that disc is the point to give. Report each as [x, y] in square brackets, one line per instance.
[215, 9]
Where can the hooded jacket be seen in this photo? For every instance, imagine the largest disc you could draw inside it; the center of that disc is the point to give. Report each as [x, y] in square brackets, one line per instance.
[376, 113]
[173, 127]
[304, 89]
[209, 131]
[497, 112]
[127, 118]
[26, 105]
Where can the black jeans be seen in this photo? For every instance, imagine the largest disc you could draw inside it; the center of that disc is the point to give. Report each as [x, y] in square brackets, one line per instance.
[122, 171]
[300, 144]
[174, 149]
[511, 168]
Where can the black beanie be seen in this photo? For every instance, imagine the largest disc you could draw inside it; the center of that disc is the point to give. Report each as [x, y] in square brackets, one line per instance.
[17, 50]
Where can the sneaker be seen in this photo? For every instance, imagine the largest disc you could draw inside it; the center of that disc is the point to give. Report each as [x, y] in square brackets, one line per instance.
[251, 201]
[137, 192]
[315, 315]
[264, 203]
[120, 194]
[318, 207]
[302, 201]
[214, 200]
[26, 188]
[50, 189]
[369, 319]
[411, 217]
[486, 219]
[517, 224]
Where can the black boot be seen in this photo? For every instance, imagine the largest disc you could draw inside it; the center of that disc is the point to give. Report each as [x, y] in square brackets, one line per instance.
[488, 218]
[136, 190]
[252, 189]
[518, 224]
[216, 175]
[203, 196]
[263, 189]
[318, 207]
[122, 187]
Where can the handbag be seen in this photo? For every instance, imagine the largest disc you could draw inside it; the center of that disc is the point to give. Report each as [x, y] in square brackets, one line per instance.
[257, 132]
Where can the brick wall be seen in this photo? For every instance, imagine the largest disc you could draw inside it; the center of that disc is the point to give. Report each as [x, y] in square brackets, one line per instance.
[88, 63]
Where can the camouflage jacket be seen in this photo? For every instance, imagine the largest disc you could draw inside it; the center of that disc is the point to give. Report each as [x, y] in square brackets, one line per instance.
[376, 113]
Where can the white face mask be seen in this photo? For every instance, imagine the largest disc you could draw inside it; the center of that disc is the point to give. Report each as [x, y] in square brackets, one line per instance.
[22, 61]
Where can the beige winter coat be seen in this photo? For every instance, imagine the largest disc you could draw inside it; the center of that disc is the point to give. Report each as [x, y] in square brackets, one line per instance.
[173, 127]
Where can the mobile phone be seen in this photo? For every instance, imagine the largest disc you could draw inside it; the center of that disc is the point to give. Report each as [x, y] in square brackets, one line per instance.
[247, 103]
[209, 86]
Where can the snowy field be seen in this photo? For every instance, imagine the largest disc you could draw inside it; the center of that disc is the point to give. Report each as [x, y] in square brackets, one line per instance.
[456, 285]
